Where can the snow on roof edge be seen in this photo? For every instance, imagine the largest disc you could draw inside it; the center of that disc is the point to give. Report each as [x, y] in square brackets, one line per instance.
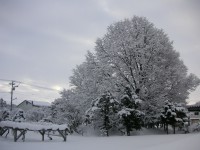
[38, 103]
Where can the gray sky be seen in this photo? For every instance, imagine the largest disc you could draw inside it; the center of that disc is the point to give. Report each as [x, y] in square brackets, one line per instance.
[41, 41]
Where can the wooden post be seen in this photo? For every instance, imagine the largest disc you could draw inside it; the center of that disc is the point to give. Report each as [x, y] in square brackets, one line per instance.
[15, 135]
[43, 135]
[50, 138]
[23, 138]
[8, 133]
[63, 134]
[22, 132]
[3, 130]
[66, 133]
[42, 132]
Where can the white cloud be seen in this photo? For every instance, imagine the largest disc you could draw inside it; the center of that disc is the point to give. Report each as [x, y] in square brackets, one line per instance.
[4, 87]
[57, 87]
[73, 38]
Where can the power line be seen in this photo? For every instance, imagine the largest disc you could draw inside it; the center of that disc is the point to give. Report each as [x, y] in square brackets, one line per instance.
[14, 83]
[4, 92]
[33, 95]
[38, 86]
[33, 85]
[5, 80]
[21, 95]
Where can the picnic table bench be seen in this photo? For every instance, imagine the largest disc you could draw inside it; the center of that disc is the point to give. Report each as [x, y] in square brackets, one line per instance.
[21, 128]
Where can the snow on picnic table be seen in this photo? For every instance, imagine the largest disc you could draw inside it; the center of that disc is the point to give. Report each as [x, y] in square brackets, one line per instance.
[141, 142]
[33, 125]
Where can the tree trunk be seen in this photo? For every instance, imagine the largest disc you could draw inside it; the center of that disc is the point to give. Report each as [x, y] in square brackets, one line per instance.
[167, 128]
[164, 127]
[174, 127]
[128, 132]
[107, 133]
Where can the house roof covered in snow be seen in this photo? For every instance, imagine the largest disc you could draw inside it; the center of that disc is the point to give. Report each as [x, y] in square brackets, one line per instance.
[36, 103]
[40, 103]
[195, 107]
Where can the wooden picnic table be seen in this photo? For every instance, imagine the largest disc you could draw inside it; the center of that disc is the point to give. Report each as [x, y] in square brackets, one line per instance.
[20, 129]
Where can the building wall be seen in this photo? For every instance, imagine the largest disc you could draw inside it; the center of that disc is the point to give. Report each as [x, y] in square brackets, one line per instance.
[195, 117]
[195, 114]
[25, 105]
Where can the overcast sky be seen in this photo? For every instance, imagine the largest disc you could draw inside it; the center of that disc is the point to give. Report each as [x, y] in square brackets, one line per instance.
[41, 41]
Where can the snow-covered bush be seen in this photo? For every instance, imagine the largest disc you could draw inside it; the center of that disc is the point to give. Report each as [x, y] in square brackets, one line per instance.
[2, 104]
[152, 116]
[195, 127]
[182, 116]
[174, 114]
[63, 112]
[4, 114]
[36, 114]
[19, 116]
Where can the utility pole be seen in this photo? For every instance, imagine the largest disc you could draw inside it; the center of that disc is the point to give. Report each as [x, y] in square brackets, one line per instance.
[13, 86]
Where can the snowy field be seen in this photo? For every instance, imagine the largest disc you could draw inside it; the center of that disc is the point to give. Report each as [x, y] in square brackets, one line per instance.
[139, 142]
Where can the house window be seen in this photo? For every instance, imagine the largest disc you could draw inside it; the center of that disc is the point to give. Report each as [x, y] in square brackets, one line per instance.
[196, 113]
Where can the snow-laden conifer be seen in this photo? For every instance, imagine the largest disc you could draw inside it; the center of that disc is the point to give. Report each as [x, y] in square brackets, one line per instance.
[103, 113]
[131, 117]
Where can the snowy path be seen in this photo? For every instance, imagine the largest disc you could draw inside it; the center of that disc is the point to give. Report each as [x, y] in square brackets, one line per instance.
[145, 142]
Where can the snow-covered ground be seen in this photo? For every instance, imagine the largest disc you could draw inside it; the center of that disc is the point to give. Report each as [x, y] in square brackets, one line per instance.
[137, 142]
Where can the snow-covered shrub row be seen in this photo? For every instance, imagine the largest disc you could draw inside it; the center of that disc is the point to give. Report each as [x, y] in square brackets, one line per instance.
[14, 115]
[18, 115]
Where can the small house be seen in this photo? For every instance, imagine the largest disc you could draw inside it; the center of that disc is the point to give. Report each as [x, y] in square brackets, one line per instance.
[194, 111]
[29, 104]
